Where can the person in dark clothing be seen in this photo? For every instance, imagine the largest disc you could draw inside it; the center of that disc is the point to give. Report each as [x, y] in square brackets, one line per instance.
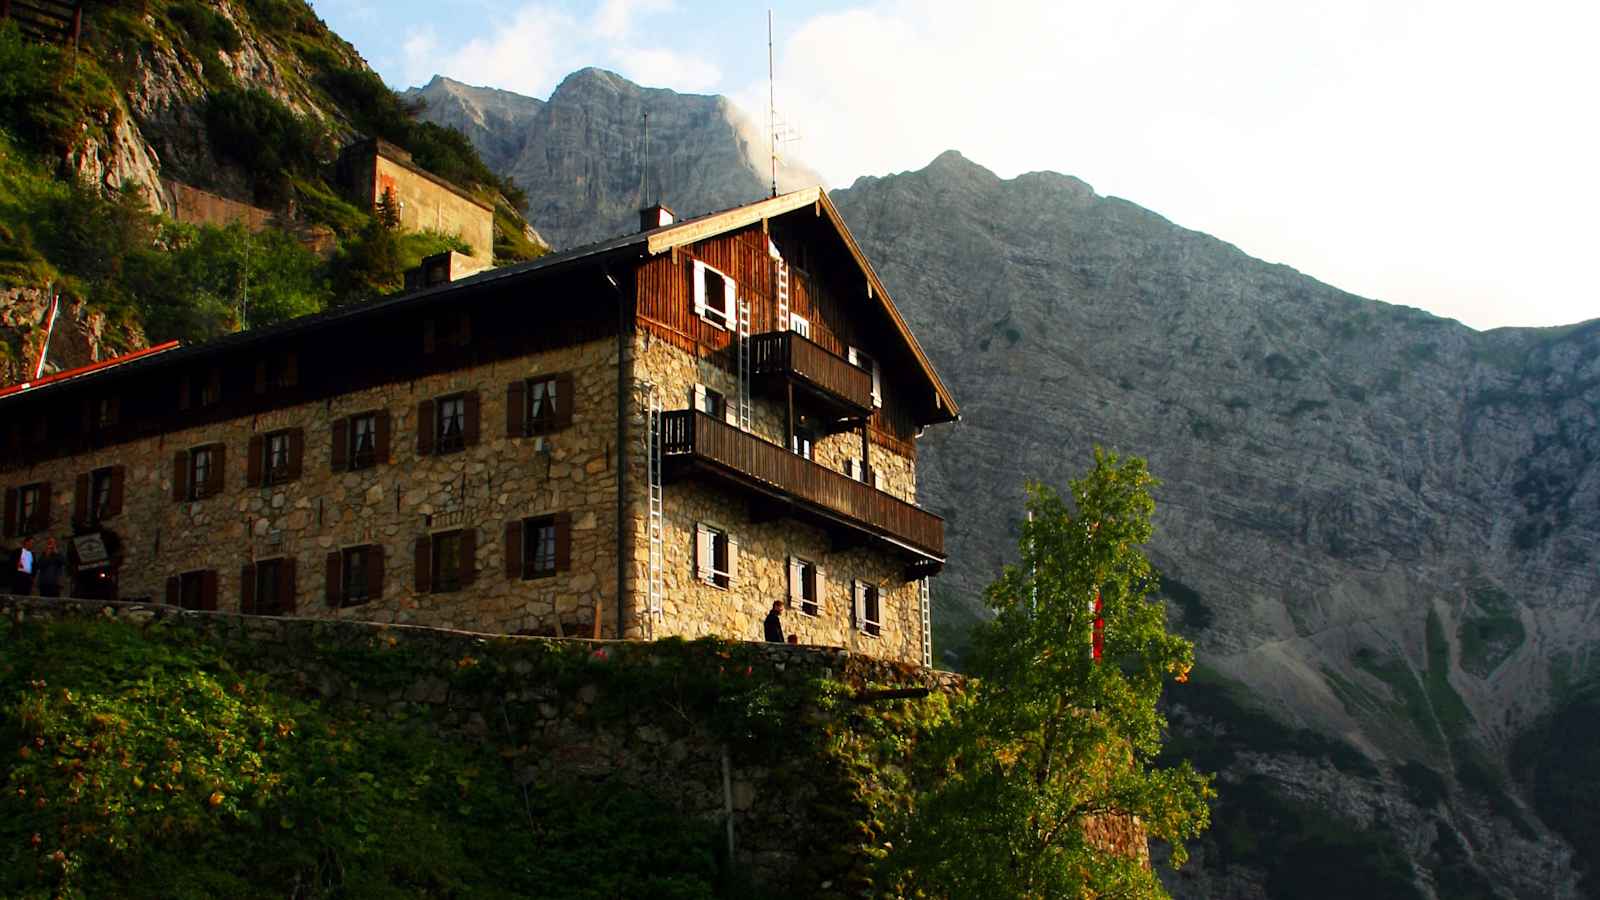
[22, 569]
[774, 624]
[51, 569]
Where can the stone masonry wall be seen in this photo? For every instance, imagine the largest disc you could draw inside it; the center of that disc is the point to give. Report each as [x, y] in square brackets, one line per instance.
[392, 504]
[693, 608]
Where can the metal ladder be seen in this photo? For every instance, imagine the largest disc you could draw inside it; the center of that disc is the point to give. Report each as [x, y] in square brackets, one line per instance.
[783, 294]
[655, 587]
[744, 365]
[927, 625]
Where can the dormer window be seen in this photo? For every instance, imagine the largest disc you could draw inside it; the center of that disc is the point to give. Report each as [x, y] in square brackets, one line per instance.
[715, 296]
[280, 370]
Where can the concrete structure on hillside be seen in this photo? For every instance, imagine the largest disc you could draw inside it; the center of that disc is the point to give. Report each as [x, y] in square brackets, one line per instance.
[660, 434]
[423, 200]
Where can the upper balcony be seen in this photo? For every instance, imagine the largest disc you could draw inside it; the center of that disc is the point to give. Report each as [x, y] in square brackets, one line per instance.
[842, 389]
[853, 511]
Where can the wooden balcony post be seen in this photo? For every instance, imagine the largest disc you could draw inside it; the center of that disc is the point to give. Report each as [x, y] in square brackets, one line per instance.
[790, 385]
[866, 445]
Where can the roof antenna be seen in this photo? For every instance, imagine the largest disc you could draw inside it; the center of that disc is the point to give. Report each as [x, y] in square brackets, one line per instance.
[772, 109]
[644, 163]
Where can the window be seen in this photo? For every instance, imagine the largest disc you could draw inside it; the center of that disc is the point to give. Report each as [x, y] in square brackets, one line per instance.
[447, 562]
[363, 441]
[280, 370]
[862, 360]
[803, 442]
[868, 609]
[538, 547]
[450, 429]
[716, 557]
[100, 484]
[104, 413]
[200, 467]
[197, 472]
[799, 325]
[355, 589]
[449, 332]
[354, 576]
[211, 388]
[28, 509]
[712, 403]
[544, 401]
[193, 590]
[267, 587]
[805, 586]
[275, 464]
[714, 296]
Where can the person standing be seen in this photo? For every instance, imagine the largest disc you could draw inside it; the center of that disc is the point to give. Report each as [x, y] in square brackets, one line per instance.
[51, 568]
[774, 623]
[22, 573]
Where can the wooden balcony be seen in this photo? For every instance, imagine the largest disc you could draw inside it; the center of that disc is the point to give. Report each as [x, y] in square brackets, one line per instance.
[843, 389]
[850, 509]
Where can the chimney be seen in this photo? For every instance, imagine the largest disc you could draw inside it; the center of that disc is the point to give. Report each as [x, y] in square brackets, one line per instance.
[441, 268]
[656, 216]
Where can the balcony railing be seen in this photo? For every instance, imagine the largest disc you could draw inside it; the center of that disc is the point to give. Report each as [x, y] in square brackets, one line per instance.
[694, 435]
[788, 354]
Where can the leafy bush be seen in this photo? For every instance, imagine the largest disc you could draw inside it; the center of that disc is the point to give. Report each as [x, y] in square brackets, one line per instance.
[1559, 760]
[265, 138]
[47, 97]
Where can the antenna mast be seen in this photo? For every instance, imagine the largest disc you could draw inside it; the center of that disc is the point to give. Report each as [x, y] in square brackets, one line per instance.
[772, 109]
[644, 163]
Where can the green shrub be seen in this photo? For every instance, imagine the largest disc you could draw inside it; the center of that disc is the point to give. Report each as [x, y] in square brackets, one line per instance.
[265, 138]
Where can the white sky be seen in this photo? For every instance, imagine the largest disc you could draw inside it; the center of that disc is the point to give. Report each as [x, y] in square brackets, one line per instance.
[1436, 154]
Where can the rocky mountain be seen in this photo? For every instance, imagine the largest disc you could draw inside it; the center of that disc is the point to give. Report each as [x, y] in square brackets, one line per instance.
[585, 156]
[497, 122]
[1380, 526]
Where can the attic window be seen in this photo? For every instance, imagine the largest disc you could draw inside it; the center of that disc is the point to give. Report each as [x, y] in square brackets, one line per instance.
[715, 295]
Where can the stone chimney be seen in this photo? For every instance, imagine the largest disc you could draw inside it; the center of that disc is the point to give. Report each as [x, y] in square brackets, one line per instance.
[441, 268]
[656, 216]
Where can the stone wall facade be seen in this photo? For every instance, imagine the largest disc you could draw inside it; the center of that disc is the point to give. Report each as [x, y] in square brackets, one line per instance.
[404, 497]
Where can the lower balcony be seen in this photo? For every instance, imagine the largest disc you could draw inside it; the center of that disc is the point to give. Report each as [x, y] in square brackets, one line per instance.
[785, 483]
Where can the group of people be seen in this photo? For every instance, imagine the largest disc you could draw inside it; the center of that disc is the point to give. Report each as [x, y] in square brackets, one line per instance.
[47, 569]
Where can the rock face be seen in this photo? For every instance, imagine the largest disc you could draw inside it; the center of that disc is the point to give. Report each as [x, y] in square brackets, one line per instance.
[1382, 522]
[582, 154]
[497, 122]
[81, 335]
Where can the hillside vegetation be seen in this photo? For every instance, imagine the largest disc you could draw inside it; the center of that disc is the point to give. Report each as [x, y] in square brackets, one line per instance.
[179, 82]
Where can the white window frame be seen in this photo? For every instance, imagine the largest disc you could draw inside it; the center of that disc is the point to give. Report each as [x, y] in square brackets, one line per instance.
[707, 537]
[797, 582]
[701, 401]
[705, 307]
[860, 359]
[800, 325]
[859, 591]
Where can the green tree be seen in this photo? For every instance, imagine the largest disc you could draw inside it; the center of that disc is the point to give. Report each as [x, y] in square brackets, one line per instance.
[1051, 739]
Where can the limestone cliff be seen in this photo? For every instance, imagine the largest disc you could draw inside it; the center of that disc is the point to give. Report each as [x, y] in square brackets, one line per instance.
[582, 154]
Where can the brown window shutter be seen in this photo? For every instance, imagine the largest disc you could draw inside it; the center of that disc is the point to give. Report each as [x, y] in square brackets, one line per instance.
[422, 560]
[253, 460]
[208, 590]
[119, 475]
[469, 556]
[214, 379]
[44, 506]
[261, 376]
[425, 428]
[464, 330]
[470, 430]
[11, 512]
[80, 500]
[219, 456]
[247, 589]
[86, 426]
[335, 587]
[516, 408]
[428, 338]
[297, 450]
[180, 475]
[564, 399]
[114, 410]
[185, 393]
[172, 591]
[286, 589]
[513, 549]
[380, 436]
[375, 572]
[291, 369]
[341, 444]
[563, 541]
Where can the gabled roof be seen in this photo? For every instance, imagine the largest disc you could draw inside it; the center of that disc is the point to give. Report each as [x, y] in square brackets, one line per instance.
[664, 239]
[636, 245]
